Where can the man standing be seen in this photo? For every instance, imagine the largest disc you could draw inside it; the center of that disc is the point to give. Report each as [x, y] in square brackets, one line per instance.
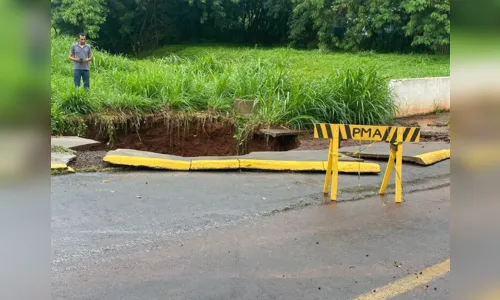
[80, 55]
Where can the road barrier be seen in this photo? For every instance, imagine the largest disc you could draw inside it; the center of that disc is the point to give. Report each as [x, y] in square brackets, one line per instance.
[394, 135]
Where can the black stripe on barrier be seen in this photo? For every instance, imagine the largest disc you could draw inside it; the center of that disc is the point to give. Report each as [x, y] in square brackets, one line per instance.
[348, 132]
[329, 133]
[394, 136]
[386, 134]
[342, 132]
[390, 134]
[319, 131]
[415, 134]
[405, 133]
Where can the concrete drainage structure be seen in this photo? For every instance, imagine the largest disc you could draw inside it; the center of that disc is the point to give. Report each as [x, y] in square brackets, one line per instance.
[419, 96]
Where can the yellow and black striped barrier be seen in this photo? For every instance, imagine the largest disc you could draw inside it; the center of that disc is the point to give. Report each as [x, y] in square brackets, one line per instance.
[366, 133]
[394, 135]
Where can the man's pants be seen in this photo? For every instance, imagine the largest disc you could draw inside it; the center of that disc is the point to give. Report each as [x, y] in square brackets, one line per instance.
[79, 74]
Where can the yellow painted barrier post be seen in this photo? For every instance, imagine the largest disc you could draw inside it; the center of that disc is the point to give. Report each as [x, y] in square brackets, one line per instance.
[399, 166]
[393, 135]
[335, 163]
[328, 176]
[332, 169]
[388, 170]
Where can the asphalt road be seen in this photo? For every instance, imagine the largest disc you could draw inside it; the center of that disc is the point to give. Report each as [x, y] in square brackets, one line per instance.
[170, 235]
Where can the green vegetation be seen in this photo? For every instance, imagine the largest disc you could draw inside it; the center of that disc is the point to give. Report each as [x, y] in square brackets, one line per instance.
[307, 64]
[290, 87]
[351, 25]
[61, 149]
[55, 172]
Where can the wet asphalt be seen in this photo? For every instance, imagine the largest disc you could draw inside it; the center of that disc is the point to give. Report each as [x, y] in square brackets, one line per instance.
[244, 235]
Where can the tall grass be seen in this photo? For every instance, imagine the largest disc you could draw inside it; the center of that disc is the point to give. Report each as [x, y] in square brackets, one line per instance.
[312, 63]
[352, 94]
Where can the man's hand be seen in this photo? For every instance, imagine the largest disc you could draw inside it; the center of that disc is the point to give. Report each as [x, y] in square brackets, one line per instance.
[77, 60]
[88, 59]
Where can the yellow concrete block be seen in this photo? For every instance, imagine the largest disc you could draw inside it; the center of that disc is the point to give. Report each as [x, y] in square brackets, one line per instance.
[279, 165]
[220, 164]
[223, 164]
[156, 163]
[58, 166]
[355, 167]
[433, 157]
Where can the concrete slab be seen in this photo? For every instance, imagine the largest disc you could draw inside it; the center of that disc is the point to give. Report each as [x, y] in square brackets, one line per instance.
[276, 132]
[303, 155]
[138, 158]
[72, 142]
[60, 160]
[214, 162]
[139, 153]
[423, 153]
[315, 160]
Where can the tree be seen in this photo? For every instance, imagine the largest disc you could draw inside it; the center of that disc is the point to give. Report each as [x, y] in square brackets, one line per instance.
[78, 16]
[429, 23]
[136, 26]
[371, 25]
[351, 25]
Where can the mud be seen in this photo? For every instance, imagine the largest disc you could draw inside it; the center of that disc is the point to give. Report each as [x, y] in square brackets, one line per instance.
[89, 161]
[188, 139]
[308, 142]
[434, 136]
[428, 123]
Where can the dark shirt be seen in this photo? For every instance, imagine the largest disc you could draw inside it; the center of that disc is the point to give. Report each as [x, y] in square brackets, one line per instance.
[80, 52]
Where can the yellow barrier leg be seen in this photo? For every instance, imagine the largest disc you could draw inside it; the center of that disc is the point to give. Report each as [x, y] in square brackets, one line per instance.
[328, 176]
[335, 162]
[388, 171]
[399, 167]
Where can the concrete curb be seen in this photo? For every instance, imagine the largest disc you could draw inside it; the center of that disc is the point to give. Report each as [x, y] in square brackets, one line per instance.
[425, 159]
[430, 158]
[72, 142]
[238, 164]
[59, 161]
[61, 167]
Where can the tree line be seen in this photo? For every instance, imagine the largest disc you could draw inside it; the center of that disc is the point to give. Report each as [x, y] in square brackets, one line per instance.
[133, 26]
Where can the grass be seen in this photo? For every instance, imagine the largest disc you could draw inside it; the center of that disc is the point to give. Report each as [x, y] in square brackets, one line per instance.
[289, 87]
[61, 149]
[313, 63]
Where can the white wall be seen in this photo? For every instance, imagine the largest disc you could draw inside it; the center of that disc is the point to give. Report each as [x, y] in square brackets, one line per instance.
[416, 96]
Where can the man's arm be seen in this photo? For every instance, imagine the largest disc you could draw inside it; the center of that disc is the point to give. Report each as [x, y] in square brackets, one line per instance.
[71, 57]
[90, 55]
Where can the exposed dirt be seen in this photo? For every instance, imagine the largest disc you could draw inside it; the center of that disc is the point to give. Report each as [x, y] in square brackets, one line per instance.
[434, 127]
[88, 160]
[428, 123]
[308, 142]
[189, 139]
[175, 140]
[434, 136]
